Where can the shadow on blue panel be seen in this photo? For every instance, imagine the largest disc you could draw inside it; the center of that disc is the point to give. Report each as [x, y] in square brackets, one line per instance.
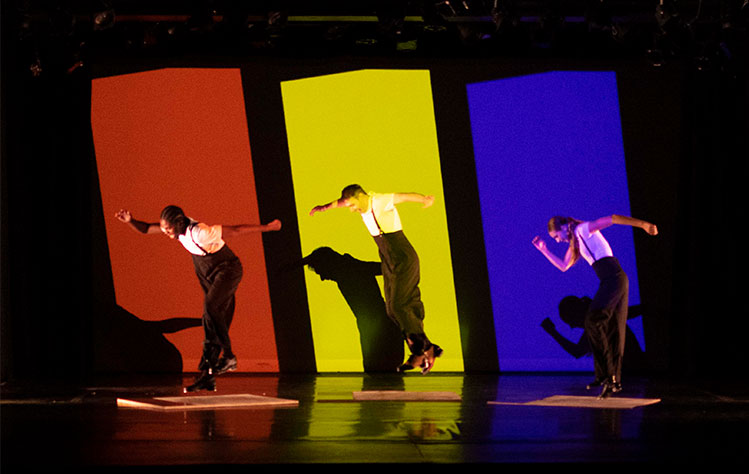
[547, 144]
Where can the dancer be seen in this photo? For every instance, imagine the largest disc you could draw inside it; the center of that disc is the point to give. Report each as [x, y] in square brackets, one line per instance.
[606, 318]
[400, 266]
[219, 272]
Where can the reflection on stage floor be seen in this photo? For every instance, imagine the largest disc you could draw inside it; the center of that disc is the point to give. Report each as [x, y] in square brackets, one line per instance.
[379, 418]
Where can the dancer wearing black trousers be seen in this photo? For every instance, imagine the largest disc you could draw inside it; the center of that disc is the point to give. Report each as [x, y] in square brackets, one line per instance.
[219, 272]
[400, 266]
[606, 319]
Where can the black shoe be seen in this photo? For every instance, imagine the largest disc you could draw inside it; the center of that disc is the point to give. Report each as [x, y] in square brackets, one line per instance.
[595, 383]
[610, 386]
[430, 355]
[413, 362]
[210, 357]
[206, 381]
[226, 365]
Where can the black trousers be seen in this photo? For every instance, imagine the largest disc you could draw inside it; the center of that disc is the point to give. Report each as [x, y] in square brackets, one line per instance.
[606, 320]
[401, 274]
[219, 274]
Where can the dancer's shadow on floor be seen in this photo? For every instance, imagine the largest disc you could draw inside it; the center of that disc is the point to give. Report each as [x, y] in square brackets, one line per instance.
[381, 339]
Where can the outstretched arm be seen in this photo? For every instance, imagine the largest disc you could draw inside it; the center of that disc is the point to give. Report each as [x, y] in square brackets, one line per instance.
[325, 207]
[231, 230]
[143, 227]
[426, 200]
[562, 264]
[606, 221]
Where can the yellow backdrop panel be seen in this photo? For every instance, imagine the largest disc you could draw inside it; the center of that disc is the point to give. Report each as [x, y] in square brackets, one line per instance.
[375, 128]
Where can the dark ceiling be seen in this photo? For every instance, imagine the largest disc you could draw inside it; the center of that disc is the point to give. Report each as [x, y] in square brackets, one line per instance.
[55, 34]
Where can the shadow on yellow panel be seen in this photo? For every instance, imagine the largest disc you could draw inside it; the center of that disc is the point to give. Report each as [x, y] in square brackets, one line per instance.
[375, 128]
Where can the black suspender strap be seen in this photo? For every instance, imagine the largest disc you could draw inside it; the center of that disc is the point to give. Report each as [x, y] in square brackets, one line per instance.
[375, 219]
[592, 255]
[196, 244]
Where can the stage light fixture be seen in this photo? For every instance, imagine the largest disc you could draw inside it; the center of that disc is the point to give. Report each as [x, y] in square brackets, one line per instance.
[104, 18]
[503, 13]
[666, 14]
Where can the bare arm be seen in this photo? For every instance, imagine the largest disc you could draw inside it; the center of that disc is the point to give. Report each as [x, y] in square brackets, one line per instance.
[606, 221]
[232, 230]
[143, 227]
[325, 207]
[426, 200]
[562, 264]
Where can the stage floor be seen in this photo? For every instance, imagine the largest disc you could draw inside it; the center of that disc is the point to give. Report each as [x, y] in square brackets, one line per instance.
[476, 419]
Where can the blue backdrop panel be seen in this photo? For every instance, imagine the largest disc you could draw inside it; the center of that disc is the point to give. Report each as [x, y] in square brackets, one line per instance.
[546, 144]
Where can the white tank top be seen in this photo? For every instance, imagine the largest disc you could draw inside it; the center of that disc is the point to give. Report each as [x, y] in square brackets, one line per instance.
[202, 239]
[593, 246]
[382, 215]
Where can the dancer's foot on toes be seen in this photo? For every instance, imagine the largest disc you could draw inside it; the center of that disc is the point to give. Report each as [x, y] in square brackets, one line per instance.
[610, 387]
[226, 365]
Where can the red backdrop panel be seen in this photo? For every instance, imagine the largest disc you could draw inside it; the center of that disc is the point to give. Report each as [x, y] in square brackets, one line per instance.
[179, 136]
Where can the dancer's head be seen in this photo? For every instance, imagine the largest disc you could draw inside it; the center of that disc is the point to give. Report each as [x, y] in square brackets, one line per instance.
[173, 221]
[355, 198]
[562, 229]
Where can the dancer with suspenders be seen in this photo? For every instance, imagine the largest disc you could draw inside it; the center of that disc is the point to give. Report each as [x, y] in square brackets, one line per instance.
[219, 271]
[606, 319]
[400, 266]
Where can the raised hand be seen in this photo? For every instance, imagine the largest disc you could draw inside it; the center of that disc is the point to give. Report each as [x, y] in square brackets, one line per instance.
[539, 243]
[123, 215]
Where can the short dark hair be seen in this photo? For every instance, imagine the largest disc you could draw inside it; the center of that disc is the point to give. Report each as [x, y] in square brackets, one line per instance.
[351, 190]
[175, 217]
